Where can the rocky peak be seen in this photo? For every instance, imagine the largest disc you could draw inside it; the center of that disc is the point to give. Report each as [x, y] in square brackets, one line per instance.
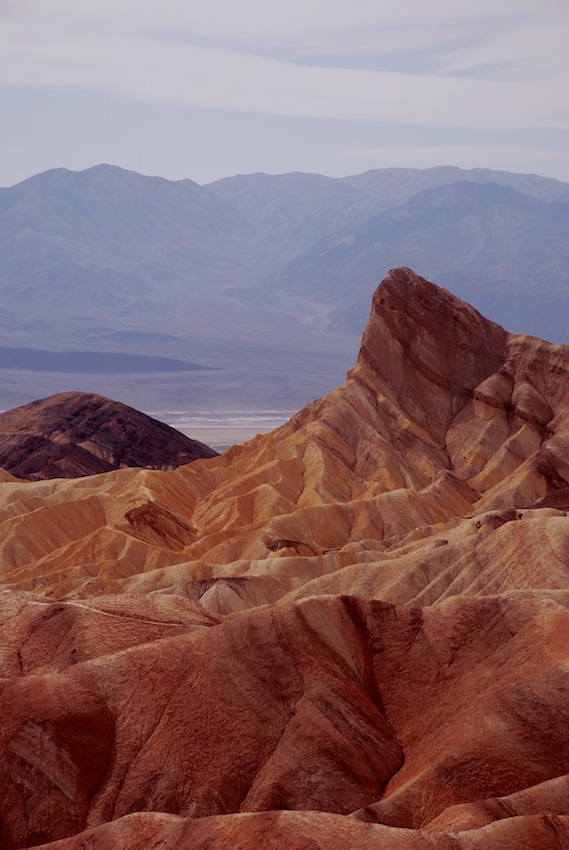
[427, 348]
[360, 618]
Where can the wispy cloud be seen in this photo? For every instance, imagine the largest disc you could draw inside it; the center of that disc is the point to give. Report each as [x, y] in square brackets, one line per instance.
[361, 76]
[123, 46]
[293, 22]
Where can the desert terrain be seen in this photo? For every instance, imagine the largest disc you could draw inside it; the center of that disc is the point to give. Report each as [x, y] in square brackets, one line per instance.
[350, 633]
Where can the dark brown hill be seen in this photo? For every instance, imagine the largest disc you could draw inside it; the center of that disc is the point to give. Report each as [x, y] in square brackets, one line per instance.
[75, 434]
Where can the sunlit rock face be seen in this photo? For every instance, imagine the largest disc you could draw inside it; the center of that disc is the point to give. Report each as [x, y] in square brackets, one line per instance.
[349, 633]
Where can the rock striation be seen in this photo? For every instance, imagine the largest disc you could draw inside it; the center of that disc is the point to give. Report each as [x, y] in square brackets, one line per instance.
[349, 633]
[74, 434]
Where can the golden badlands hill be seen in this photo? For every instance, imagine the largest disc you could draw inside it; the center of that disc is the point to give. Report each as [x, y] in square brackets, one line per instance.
[350, 633]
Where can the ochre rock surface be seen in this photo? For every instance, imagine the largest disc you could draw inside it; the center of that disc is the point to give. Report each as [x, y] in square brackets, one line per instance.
[73, 434]
[349, 633]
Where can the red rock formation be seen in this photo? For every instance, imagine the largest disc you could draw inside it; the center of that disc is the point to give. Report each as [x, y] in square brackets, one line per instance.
[147, 704]
[351, 632]
[73, 434]
[307, 831]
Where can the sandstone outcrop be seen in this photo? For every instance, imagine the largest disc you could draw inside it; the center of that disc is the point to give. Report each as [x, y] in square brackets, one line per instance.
[73, 434]
[349, 633]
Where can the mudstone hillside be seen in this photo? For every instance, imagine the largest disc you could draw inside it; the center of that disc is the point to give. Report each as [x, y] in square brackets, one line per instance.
[351, 633]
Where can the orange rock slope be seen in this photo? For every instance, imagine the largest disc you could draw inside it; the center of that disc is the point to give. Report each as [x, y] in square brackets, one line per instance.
[349, 633]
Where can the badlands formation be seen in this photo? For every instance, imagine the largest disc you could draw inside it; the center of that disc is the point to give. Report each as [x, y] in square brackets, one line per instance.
[73, 434]
[349, 634]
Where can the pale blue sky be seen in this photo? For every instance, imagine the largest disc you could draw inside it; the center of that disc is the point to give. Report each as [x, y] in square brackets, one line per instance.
[182, 89]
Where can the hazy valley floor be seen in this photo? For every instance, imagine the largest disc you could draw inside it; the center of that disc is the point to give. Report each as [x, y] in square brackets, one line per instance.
[220, 429]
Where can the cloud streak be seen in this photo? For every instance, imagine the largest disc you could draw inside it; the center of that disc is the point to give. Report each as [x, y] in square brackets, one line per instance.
[66, 44]
[341, 76]
[224, 80]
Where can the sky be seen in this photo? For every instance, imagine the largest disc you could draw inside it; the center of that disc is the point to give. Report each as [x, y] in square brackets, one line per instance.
[183, 89]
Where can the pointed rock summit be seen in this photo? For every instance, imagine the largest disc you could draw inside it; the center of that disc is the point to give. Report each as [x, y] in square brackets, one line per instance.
[490, 400]
[348, 634]
[419, 334]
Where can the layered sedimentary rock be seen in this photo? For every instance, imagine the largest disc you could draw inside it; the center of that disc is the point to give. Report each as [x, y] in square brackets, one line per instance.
[394, 716]
[73, 434]
[351, 632]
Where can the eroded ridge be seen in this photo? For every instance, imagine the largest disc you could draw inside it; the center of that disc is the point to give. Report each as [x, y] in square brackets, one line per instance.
[351, 632]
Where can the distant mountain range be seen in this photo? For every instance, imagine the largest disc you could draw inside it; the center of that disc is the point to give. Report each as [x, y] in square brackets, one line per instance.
[267, 278]
[501, 248]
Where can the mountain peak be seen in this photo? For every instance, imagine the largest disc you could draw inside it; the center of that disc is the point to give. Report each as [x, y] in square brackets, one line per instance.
[360, 617]
[449, 383]
[417, 323]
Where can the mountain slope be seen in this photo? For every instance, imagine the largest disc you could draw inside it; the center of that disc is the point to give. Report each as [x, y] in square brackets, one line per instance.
[107, 215]
[503, 250]
[296, 210]
[265, 277]
[399, 184]
[445, 415]
[348, 633]
[76, 434]
[307, 708]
